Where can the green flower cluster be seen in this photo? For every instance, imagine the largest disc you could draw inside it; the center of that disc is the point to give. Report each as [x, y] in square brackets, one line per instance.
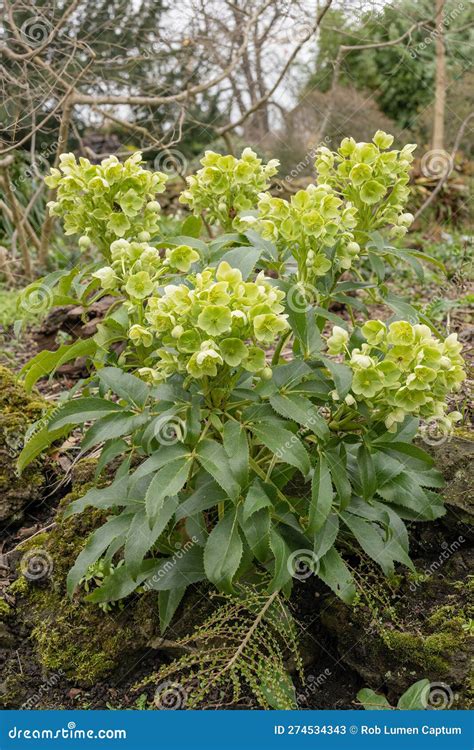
[225, 186]
[373, 179]
[218, 320]
[136, 267]
[314, 219]
[134, 270]
[401, 370]
[107, 200]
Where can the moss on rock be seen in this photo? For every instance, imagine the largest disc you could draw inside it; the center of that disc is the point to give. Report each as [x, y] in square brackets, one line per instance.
[75, 636]
[454, 459]
[427, 634]
[17, 411]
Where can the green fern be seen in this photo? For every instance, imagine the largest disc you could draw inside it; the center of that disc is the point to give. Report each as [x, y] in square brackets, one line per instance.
[242, 647]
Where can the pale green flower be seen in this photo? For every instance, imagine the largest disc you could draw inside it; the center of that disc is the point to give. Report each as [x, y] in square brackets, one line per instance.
[215, 319]
[372, 192]
[139, 285]
[395, 417]
[107, 277]
[360, 173]
[374, 331]
[255, 360]
[140, 335]
[119, 249]
[367, 382]
[182, 257]
[401, 333]
[421, 377]
[233, 351]
[382, 140]
[226, 185]
[338, 340]
[268, 326]
[204, 362]
[130, 203]
[118, 224]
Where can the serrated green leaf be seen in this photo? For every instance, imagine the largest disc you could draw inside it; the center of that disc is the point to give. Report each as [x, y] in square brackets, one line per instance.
[192, 227]
[373, 541]
[282, 572]
[301, 410]
[256, 499]
[213, 458]
[113, 495]
[223, 552]
[112, 426]
[120, 583]
[335, 573]
[82, 410]
[367, 473]
[337, 463]
[237, 449]
[168, 603]
[326, 536]
[178, 571]
[126, 386]
[164, 455]
[111, 449]
[208, 495]
[96, 546]
[37, 444]
[46, 363]
[284, 444]
[168, 481]
[256, 530]
[141, 538]
[414, 699]
[341, 374]
[322, 495]
[373, 701]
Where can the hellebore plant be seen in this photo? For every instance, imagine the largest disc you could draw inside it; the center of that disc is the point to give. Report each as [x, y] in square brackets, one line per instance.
[214, 384]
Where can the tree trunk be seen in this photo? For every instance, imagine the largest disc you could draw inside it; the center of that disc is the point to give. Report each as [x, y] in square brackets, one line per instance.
[440, 84]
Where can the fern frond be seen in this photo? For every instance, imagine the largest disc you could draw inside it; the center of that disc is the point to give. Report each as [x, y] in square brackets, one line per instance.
[242, 647]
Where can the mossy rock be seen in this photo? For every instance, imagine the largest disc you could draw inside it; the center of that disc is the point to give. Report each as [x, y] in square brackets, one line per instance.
[454, 459]
[425, 633]
[74, 636]
[17, 411]
[77, 637]
[6, 636]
